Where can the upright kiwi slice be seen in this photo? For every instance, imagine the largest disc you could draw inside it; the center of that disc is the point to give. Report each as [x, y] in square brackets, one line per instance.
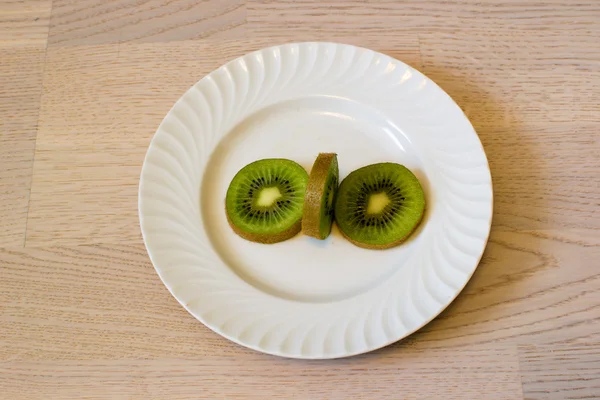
[379, 206]
[320, 196]
[264, 200]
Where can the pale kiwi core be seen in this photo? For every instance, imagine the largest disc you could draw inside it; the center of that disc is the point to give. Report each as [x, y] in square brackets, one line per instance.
[268, 196]
[377, 203]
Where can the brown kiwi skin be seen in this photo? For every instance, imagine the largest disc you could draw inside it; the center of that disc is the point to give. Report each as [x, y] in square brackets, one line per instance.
[266, 239]
[387, 245]
[311, 213]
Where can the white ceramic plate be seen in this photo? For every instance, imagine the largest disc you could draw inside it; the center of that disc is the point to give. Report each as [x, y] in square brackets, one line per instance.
[305, 298]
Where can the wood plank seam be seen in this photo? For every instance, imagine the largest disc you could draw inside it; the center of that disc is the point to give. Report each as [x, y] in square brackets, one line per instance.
[37, 124]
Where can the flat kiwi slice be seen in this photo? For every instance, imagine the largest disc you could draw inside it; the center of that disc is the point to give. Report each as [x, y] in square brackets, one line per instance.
[320, 196]
[265, 198]
[379, 206]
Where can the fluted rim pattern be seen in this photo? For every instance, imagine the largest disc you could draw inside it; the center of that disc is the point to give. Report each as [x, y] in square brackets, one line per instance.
[178, 245]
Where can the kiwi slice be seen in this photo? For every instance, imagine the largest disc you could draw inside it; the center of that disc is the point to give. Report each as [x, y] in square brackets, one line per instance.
[379, 206]
[265, 198]
[320, 196]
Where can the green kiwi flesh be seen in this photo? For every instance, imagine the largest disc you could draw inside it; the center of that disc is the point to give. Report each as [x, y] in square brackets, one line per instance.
[319, 199]
[264, 200]
[379, 206]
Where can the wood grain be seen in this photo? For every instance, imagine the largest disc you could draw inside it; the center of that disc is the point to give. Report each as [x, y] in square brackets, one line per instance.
[529, 289]
[386, 18]
[21, 71]
[451, 374]
[519, 294]
[560, 371]
[537, 116]
[97, 117]
[97, 21]
[64, 305]
[84, 315]
[24, 22]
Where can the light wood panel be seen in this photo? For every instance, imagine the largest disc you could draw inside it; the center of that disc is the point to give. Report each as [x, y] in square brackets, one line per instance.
[537, 114]
[57, 300]
[88, 22]
[93, 302]
[101, 106]
[20, 89]
[89, 148]
[560, 371]
[386, 18]
[476, 373]
[82, 312]
[24, 22]
[530, 287]
[106, 305]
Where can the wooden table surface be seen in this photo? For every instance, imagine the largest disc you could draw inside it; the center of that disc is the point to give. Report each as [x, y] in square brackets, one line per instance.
[84, 85]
